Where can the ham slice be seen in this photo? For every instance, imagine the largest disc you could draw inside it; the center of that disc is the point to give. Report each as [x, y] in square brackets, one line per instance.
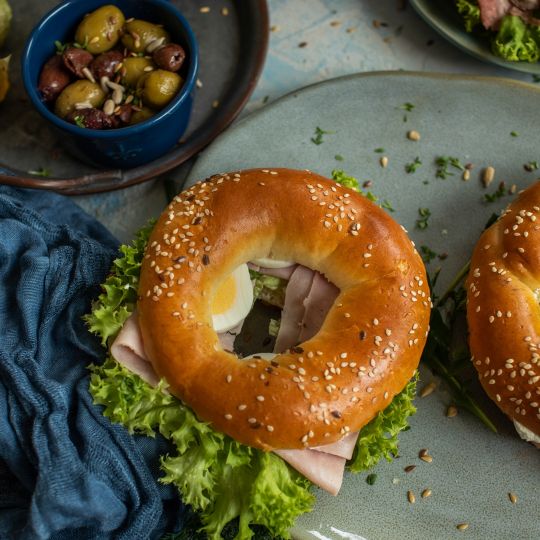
[128, 350]
[492, 11]
[323, 469]
[283, 273]
[343, 448]
[317, 304]
[293, 311]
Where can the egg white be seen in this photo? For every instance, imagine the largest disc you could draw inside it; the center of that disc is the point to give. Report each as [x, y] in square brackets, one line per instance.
[272, 263]
[241, 305]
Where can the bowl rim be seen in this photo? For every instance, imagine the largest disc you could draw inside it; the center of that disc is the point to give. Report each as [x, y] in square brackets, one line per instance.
[127, 131]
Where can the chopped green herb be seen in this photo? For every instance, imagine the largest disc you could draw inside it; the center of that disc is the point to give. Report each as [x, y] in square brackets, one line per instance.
[405, 117]
[371, 478]
[60, 47]
[412, 167]
[379, 150]
[339, 157]
[265, 99]
[42, 171]
[79, 121]
[387, 206]
[514, 134]
[318, 137]
[496, 195]
[422, 221]
[427, 254]
[407, 107]
[531, 166]
[444, 163]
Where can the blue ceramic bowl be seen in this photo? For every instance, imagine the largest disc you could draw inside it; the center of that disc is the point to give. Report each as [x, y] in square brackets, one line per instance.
[124, 147]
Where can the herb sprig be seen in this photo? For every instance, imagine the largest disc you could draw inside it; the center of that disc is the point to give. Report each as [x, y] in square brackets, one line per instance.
[318, 136]
[443, 166]
[413, 167]
[422, 221]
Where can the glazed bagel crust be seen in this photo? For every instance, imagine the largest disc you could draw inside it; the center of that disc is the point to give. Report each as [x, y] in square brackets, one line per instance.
[503, 310]
[368, 347]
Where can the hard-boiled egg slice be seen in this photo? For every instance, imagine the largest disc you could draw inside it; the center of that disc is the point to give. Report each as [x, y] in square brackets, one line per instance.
[272, 263]
[232, 300]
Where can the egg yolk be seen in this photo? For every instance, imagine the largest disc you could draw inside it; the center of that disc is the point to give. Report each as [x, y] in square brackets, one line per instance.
[224, 297]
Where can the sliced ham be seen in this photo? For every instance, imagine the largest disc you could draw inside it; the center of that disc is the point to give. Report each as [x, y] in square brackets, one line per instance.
[282, 273]
[492, 11]
[317, 304]
[343, 448]
[526, 5]
[293, 311]
[324, 470]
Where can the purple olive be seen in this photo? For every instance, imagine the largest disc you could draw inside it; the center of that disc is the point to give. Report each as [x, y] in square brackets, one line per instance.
[53, 78]
[92, 119]
[106, 64]
[76, 60]
[170, 57]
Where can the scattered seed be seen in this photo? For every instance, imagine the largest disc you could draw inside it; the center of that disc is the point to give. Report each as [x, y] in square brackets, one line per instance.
[488, 175]
[384, 161]
[462, 526]
[109, 106]
[426, 493]
[409, 468]
[451, 411]
[204, 9]
[466, 175]
[428, 389]
[512, 497]
[224, 11]
[410, 497]
[413, 135]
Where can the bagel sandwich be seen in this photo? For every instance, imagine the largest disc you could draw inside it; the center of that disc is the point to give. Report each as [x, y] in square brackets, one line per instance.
[336, 386]
[503, 315]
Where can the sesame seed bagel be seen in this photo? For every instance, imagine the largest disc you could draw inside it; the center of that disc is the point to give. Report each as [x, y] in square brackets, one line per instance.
[364, 354]
[503, 312]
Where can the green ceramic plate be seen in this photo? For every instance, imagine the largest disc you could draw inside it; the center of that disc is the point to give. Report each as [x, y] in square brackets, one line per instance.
[443, 17]
[473, 470]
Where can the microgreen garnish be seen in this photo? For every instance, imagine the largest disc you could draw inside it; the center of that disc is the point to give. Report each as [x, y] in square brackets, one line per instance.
[339, 157]
[387, 206]
[42, 171]
[371, 478]
[318, 137]
[514, 134]
[379, 150]
[496, 195]
[427, 254]
[412, 167]
[531, 166]
[60, 47]
[407, 107]
[444, 163]
[422, 221]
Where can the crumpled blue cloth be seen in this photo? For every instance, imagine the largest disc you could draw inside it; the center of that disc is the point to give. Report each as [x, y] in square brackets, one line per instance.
[65, 470]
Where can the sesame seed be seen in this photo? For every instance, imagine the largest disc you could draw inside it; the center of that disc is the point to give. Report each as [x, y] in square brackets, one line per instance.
[270, 428]
[228, 378]
[260, 398]
[242, 407]
[228, 417]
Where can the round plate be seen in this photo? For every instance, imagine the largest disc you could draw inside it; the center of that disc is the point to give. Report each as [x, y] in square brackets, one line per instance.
[443, 17]
[232, 52]
[473, 469]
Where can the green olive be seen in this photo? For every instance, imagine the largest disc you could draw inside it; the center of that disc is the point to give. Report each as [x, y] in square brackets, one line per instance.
[139, 34]
[81, 91]
[134, 67]
[158, 87]
[140, 116]
[100, 30]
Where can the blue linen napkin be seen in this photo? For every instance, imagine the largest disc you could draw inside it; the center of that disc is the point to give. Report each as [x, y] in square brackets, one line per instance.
[65, 470]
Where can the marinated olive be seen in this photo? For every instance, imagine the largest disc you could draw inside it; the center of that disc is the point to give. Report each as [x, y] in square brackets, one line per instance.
[76, 60]
[79, 93]
[139, 34]
[100, 30]
[170, 57]
[106, 64]
[140, 115]
[158, 87]
[53, 79]
[134, 68]
[92, 119]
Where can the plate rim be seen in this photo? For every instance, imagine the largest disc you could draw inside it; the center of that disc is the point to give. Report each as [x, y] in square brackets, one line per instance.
[114, 179]
[422, 9]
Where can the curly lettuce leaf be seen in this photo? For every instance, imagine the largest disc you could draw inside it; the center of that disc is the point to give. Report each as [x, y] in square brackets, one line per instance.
[470, 11]
[379, 438]
[226, 482]
[515, 41]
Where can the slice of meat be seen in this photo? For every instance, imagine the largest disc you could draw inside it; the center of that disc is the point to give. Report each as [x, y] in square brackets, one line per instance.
[492, 11]
[283, 273]
[317, 304]
[526, 16]
[526, 5]
[343, 448]
[293, 311]
[128, 350]
[324, 470]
